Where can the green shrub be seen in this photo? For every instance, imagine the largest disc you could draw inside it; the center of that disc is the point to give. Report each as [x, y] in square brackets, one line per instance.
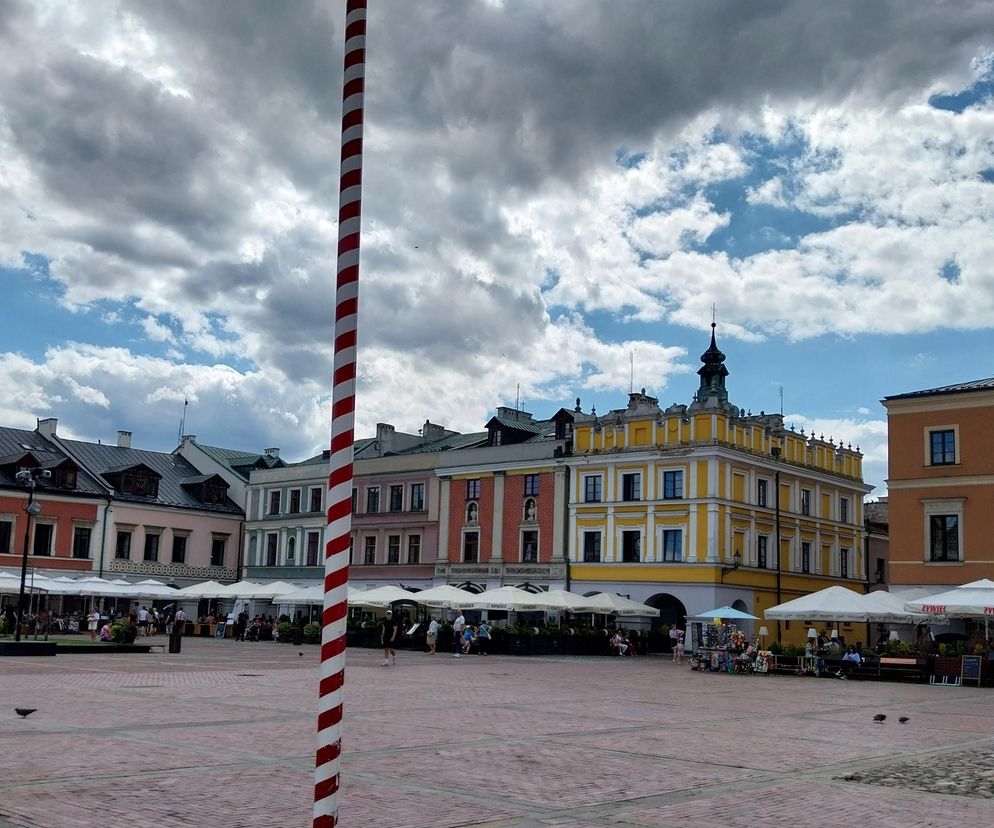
[312, 633]
[285, 630]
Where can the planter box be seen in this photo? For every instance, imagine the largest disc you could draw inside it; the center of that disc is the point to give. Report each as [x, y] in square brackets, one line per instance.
[27, 648]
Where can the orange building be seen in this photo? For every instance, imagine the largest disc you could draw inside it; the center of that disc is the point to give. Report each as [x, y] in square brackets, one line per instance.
[941, 485]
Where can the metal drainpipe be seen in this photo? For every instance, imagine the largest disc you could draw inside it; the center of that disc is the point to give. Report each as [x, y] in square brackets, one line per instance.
[566, 528]
[103, 538]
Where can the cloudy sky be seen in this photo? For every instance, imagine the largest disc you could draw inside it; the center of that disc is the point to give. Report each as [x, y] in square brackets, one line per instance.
[555, 196]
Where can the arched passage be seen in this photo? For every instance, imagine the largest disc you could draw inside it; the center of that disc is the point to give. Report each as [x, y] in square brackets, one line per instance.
[671, 611]
[740, 605]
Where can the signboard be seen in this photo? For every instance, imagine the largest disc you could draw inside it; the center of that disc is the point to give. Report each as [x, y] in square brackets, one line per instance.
[971, 668]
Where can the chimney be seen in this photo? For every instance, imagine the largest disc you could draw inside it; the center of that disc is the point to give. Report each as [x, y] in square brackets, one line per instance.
[188, 439]
[271, 452]
[124, 439]
[46, 427]
[385, 437]
[431, 432]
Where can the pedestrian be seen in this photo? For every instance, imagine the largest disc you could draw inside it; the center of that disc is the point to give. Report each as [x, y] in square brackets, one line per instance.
[388, 638]
[92, 620]
[143, 620]
[679, 648]
[432, 637]
[457, 630]
[483, 638]
[676, 636]
[241, 623]
[179, 622]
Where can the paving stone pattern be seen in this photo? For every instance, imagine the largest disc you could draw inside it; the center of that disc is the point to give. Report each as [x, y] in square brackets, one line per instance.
[222, 735]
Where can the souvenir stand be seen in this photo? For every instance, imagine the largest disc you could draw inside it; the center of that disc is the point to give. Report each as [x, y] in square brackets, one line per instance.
[724, 648]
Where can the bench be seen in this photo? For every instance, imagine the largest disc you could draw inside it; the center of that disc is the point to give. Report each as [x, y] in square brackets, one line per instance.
[901, 668]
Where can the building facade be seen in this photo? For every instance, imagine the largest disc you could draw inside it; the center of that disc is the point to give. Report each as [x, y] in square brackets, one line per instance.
[941, 485]
[693, 507]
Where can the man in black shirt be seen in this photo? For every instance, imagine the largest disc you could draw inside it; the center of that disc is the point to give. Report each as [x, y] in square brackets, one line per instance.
[388, 638]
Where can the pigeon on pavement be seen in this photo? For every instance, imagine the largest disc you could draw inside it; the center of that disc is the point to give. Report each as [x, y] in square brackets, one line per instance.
[879, 717]
[24, 712]
[903, 719]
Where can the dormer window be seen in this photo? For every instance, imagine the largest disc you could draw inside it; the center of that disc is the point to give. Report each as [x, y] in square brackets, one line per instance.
[495, 436]
[140, 482]
[64, 477]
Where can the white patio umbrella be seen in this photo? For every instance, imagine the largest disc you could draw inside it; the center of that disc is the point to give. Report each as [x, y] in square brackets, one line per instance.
[239, 589]
[444, 596]
[728, 614]
[834, 603]
[505, 598]
[969, 601]
[207, 589]
[884, 607]
[561, 599]
[272, 590]
[96, 586]
[382, 596]
[613, 604]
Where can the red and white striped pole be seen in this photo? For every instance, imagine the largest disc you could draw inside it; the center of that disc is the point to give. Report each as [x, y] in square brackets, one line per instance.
[336, 551]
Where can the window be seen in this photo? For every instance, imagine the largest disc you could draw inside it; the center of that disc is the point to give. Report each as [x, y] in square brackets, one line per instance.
[672, 545]
[631, 547]
[844, 509]
[271, 549]
[843, 563]
[414, 549]
[65, 478]
[6, 535]
[80, 541]
[471, 547]
[396, 498]
[274, 503]
[295, 501]
[762, 492]
[140, 482]
[631, 486]
[943, 447]
[761, 544]
[531, 484]
[372, 499]
[672, 485]
[355, 500]
[151, 546]
[43, 538]
[805, 501]
[316, 500]
[217, 551]
[214, 492]
[122, 550]
[943, 537]
[291, 549]
[805, 556]
[393, 549]
[369, 552]
[417, 497]
[591, 547]
[179, 549]
[473, 489]
[529, 547]
[592, 488]
[313, 547]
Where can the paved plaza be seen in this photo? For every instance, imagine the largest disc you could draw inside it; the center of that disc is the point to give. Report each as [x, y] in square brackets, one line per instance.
[222, 735]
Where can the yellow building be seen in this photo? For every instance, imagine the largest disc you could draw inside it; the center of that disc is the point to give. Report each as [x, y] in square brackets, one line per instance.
[679, 507]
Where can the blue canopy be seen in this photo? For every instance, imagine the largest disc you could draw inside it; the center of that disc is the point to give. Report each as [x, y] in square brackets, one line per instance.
[728, 613]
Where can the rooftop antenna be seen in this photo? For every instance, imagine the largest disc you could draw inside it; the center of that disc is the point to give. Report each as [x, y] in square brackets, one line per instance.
[517, 396]
[182, 422]
[781, 399]
[631, 371]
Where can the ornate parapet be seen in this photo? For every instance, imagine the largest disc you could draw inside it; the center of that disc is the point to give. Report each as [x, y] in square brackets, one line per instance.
[170, 570]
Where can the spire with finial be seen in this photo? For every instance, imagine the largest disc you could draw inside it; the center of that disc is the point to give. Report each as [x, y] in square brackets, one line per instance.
[713, 372]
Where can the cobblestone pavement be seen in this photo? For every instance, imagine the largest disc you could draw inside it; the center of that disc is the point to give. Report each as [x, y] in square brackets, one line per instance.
[223, 735]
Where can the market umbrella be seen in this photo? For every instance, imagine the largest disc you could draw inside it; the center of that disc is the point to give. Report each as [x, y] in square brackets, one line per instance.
[382, 596]
[207, 589]
[444, 596]
[727, 613]
[613, 604]
[563, 600]
[505, 598]
[967, 601]
[273, 590]
[312, 596]
[884, 607]
[834, 603]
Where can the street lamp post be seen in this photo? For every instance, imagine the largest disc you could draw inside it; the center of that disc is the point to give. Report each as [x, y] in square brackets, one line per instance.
[775, 451]
[29, 479]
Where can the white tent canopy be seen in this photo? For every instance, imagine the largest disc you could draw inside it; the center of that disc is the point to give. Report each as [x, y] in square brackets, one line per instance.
[888, 608]
[311, 596]
[835, 603]
[565, 601]
[208, 589]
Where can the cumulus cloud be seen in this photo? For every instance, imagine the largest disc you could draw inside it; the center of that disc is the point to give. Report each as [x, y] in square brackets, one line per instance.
[530, 167]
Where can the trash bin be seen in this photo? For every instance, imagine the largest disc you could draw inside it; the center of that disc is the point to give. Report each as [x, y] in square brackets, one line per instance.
[297, 636]
[175, 642]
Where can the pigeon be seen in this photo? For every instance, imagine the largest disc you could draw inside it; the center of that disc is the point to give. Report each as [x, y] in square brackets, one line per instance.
[879, 717]
[24, 712]
[300, 654]
[903, 720]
